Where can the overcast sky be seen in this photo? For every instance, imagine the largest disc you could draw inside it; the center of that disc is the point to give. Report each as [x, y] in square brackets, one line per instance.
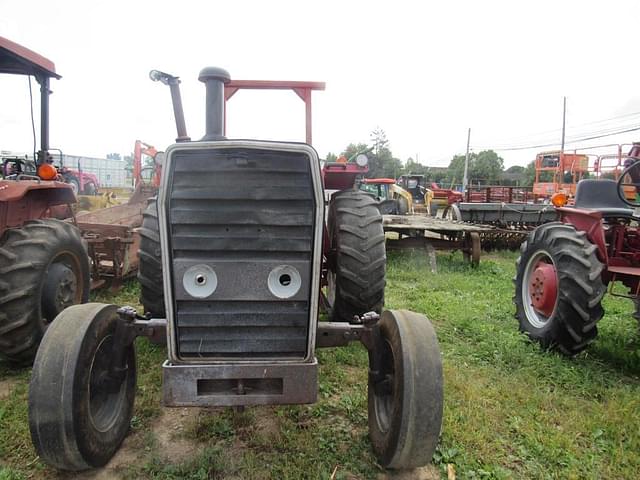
[422, 71]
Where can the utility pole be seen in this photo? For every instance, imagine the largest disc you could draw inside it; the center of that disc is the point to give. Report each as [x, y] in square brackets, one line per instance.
[465, 178]
[564, 118]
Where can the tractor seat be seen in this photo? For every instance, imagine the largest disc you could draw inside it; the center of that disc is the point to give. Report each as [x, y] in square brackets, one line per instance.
[601, 195]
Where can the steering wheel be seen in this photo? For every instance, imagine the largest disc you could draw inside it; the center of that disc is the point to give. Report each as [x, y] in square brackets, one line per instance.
[632, 173]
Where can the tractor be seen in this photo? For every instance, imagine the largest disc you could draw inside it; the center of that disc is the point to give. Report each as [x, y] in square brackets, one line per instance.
[242, 276]
[43, 260]
[565, 267]
[393, 199]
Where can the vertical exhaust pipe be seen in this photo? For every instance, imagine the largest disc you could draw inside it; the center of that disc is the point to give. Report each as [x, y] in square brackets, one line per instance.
[176, 100]
[214, 79]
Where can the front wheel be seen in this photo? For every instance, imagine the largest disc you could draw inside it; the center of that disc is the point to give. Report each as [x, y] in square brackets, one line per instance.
[559, 288]
[405, 397]
[356, 276]
[79, 406]
[150, 267]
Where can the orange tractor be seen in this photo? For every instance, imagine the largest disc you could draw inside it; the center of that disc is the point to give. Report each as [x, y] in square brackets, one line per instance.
[43, 260]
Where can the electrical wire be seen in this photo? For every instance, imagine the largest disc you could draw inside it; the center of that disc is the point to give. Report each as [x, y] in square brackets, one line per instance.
[573, 131]
[570, 141]
[592, 133]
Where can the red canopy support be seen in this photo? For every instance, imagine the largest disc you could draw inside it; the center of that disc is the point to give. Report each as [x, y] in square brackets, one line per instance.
[302, 89]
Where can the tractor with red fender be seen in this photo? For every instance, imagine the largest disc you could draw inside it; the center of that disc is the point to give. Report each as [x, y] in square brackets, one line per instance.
[566, 266]
[239, 233]
[43, 261]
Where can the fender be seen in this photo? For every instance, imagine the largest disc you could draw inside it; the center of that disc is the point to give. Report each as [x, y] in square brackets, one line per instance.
[30, 199]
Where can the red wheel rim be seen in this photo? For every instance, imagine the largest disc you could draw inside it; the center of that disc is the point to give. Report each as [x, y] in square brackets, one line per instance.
[543, 288]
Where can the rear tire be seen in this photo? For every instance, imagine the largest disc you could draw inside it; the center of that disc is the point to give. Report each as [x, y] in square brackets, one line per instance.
[75, 185]
[90, 189]
[405, 409]
[78, 415]
[560, 263]
[357, 272]
[150, 266]
[45, 268]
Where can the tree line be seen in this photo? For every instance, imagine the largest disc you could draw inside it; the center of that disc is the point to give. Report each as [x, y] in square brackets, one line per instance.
[485, 167]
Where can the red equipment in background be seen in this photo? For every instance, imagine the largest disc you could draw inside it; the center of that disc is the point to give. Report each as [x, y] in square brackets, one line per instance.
[83, 183]
[566, 267]
[146, 175]
[44, 263]
[146, 178]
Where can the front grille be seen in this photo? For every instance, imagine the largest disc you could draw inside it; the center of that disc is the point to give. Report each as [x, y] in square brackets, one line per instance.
[244, 213]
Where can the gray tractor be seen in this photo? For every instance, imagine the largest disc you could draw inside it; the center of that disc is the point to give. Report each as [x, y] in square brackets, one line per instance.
[244, 274]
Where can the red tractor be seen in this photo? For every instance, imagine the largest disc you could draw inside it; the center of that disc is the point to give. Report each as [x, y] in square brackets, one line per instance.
[83, 183]
[566, 266]
[244, 251]
[43, 260]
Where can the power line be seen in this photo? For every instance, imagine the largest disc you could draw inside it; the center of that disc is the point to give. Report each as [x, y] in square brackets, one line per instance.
[577, 140]
[609, 130]
[548, 136]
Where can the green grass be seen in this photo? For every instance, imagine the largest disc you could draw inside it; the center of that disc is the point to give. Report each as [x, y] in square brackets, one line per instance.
[511, 410]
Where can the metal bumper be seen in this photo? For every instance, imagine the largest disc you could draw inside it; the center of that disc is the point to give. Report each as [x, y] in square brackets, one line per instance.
[228, 385]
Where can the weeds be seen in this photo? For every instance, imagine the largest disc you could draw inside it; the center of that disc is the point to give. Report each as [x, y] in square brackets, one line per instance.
[511, 409]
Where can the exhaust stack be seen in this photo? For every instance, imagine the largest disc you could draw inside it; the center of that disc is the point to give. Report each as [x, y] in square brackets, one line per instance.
[174, 87]
[214, 79]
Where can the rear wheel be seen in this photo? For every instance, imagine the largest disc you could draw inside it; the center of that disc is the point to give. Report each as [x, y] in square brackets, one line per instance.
[75, 184]
[356, 276]
[90, 189]
[559, 288]
[79, 407]
[405, 401]
[45, 269]
[150, 266]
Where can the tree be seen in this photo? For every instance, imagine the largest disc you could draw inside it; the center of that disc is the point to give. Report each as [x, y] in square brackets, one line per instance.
[530, 173]
[484, 168]
[487, 168]
[514, 175]
[517, 169]
[382, 163]
[113, 156]
[128, 164]
[331, 157]
[379, 140]
[353, 149]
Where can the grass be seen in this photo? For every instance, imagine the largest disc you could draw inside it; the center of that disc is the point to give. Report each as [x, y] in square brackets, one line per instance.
[511, 410]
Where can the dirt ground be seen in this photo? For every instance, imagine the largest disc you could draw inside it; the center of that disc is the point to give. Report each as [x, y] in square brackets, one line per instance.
[167, 435]
[6, 386]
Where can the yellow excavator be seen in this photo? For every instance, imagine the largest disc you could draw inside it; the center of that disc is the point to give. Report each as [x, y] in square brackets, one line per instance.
[395, 200]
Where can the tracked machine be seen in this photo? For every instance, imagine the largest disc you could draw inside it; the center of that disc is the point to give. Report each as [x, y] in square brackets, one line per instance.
[244, 272]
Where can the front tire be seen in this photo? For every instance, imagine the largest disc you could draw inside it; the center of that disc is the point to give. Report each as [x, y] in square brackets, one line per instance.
[356, 276]
[405, 407]
[150, 266]
[45, 269]
[559, 288]
[79, 414]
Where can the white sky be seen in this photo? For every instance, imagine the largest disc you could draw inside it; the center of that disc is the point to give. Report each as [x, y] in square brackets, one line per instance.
[422, 71]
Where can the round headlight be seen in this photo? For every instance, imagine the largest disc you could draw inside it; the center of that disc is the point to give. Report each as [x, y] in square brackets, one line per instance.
[159, 158]
[362, 160]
